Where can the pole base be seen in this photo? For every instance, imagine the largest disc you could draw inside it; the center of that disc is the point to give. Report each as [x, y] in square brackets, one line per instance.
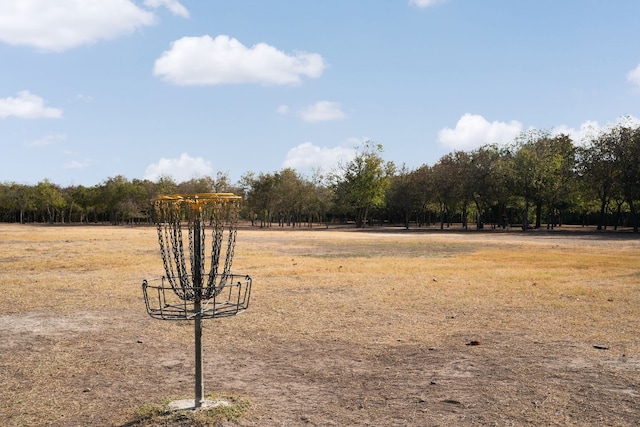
[189, 404]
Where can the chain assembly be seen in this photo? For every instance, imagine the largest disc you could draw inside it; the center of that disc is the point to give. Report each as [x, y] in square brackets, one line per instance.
[197, 236]
[198, 213]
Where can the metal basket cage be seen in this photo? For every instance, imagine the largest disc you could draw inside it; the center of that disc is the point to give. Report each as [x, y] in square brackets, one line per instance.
[164, 302]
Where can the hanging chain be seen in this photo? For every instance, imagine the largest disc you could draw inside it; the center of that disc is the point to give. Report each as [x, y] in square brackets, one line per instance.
[217, 225]
[162, 229]
[221, 215]
[233, 216]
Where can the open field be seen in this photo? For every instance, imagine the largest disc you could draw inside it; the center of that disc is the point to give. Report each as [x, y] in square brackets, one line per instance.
[345, 328]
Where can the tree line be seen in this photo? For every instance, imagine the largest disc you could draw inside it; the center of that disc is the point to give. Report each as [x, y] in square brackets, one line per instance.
[538, 180]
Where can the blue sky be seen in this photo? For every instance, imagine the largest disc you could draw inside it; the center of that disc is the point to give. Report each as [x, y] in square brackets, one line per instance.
[143, 88]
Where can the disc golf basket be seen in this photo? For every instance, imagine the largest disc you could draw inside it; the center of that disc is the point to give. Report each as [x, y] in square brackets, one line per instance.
[197, 236]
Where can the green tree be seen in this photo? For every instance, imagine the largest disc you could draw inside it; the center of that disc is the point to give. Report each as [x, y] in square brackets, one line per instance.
[403, 197]
[361, 184]
[559, 181]
[74, 210]
[260, 197]
[464, 176]
[488, 184]
[206, 184]
[83, 201]
[446, 187]
[291, 197]
[422, 179]
[627, 153]
[600, 175]
[8, 202]
[50, 201]
[543, 173]
[322, 198]
[166, 185]
[123, 200]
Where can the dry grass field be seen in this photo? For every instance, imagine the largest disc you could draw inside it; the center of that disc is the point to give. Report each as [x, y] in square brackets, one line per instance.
[345, 328]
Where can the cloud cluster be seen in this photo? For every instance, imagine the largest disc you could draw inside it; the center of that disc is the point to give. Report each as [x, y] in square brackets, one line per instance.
[76, 164]
[27, 106]
[64, 24]
[322, 111]
[634, 76]
[208, 61]
[473, 131]
[180, 169]
[587, 131]
[591, 129]
[424, 3]
[47, 140]
[173, 6]
[308, 156]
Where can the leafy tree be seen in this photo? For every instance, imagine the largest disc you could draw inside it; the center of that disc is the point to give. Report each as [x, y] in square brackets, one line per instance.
[295, 195]
[489, 183]
[403, 196]
[73, 207]
[123, 200]
[8, 202]
[464, 176]
[260, 199]
[626, 141]
[166, 185]
[50, 201]
[447, 190]
[361, 184]
[321, 197]
[544, 172]
[283, 196]
[560, 176]
[82, 201]
[599, 172]
[206, 184]
[422, 180]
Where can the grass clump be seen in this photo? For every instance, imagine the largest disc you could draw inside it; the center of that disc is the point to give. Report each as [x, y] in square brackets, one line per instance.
[149, 411]
[156, 415]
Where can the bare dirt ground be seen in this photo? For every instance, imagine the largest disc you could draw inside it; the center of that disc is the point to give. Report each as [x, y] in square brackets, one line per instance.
[345, 328]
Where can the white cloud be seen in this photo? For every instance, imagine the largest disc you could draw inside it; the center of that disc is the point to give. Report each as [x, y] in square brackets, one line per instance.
[473, 131]
[424, 3]
[322, 111]
[309, 156]
[76, 164]
[207, 61]
[181, 169]
[173, 6]
[634, 76]
[27, 106]
[63, 24]
[84, 98]
[46, 140]
[591, 129]
[282, 109]
[588, 130]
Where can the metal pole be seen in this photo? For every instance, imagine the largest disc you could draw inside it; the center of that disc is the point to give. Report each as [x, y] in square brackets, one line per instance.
[199, 376]
[197, 287]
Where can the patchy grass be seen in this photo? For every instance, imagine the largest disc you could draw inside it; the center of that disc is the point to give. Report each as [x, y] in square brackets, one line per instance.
[152, 415]
[344, 328]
